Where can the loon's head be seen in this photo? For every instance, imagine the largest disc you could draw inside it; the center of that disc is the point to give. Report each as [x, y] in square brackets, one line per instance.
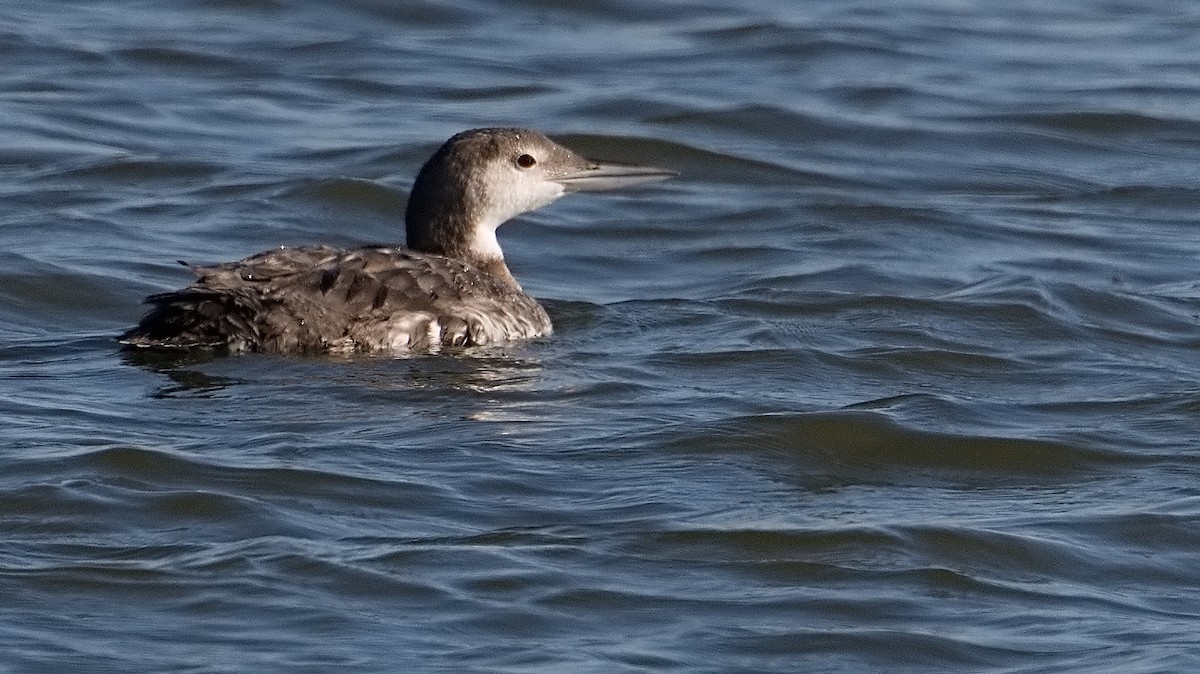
[481, 178]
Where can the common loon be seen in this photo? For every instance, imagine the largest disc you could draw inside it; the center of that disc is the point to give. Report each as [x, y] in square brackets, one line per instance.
[449, 287]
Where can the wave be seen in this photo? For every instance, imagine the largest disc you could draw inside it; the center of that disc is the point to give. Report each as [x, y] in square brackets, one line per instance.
[868, 447]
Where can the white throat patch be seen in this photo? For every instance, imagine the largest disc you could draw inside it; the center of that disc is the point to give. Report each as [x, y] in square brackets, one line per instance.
[484, 243]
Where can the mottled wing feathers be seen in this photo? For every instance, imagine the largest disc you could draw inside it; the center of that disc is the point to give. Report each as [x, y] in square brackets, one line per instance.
[318, 299]
[197, 317]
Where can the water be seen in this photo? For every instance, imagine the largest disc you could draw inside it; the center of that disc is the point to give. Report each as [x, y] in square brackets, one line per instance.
[900, 374]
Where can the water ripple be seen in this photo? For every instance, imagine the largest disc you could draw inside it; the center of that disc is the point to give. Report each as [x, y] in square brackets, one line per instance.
[899, 374]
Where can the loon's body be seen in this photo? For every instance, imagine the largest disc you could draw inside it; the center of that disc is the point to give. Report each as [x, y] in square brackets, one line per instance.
[449, 287]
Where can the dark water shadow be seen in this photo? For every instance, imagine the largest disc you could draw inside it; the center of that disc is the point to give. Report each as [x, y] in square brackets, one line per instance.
[831, 449]
[181, 367]
[474, 369]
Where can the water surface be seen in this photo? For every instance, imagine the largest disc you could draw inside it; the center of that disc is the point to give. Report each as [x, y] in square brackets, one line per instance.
[900, 375]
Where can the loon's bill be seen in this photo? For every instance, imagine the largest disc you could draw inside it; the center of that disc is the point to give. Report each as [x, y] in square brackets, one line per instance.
[612, 176]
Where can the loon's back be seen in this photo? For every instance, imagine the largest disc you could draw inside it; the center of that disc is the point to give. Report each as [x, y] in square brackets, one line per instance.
[319, 299]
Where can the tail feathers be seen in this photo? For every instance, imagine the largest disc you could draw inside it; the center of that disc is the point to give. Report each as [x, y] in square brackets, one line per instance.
[196, 319]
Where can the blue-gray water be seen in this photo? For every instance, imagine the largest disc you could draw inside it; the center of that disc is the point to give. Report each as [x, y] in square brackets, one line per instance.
[901, 374]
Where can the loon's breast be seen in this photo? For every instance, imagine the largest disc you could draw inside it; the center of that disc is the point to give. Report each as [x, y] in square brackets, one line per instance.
[324, 299]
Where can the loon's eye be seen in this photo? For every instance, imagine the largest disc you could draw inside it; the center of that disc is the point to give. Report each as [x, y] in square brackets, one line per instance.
[526, 161]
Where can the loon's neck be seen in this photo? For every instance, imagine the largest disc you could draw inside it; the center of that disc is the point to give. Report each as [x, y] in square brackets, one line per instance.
[496, 268]
[456, 237]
